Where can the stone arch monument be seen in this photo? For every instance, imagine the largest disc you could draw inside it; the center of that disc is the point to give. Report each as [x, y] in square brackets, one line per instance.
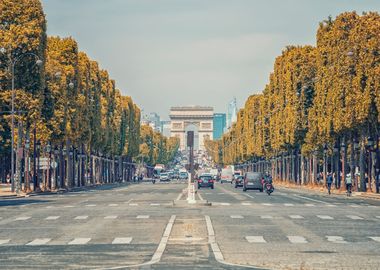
[196, 118]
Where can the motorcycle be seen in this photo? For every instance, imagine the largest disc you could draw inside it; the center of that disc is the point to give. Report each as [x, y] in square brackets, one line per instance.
[269, 188]
[153, 181]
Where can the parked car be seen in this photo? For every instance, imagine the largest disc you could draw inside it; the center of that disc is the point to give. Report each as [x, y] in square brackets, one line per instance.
[206, 180]
[164, 177]
[252, 180]
[239, 181]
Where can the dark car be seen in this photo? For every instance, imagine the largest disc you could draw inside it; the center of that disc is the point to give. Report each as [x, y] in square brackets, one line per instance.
[239, 181]
[252, 180]
[206, 181]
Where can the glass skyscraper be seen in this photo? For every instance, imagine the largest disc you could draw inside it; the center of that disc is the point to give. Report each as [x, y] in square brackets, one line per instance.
[219, 125]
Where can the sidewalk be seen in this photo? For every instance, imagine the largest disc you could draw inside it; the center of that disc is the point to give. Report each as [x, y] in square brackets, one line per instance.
[322, 190]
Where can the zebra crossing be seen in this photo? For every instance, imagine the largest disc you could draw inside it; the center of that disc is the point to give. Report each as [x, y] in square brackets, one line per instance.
[73, 241]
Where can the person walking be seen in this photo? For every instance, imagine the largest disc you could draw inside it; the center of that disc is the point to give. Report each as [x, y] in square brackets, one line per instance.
[329, 182]
[349, 183]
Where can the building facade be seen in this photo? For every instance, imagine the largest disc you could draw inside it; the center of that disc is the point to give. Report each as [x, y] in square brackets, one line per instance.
[219, 125]
[192, 118]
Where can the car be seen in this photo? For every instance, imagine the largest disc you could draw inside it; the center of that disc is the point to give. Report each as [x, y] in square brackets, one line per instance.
[164, 177]
[226, 175]
[252, 180]
[239, 181]
[183, 175]
[206, 180]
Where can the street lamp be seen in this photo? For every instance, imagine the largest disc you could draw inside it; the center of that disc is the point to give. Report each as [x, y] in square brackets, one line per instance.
[13, 63]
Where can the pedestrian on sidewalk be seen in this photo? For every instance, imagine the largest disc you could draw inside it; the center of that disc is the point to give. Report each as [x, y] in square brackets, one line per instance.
[329, 182]
[349, 183]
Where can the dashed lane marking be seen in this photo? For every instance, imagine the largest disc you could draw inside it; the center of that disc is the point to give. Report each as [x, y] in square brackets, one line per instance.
[79, 241]
[113, 204]
[122, 240]
[309, 204]
[39, 242]
[68, 206]
[52, 218]
[255, 239]
[225, 204]
[142, 217]
[375, 238]
[267, 204]
[288, 204]
[245, 203]
[22, 218]
[378, 217]
[296, 216]
[133, 204]
[110, 217]
[81, 217]
[154, 204]
[325, 217]
[237, 216]
[331, 205]
[4, 241]
[354, 217]
[297, 239]
[249, 196]
[336, 239]
[266, 217]
[90, 205]
[310, 199]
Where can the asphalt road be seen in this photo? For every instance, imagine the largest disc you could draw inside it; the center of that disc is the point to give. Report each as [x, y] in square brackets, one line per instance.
[138, 227]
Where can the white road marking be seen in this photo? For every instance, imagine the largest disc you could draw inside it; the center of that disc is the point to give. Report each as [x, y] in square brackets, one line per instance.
[296, 216]
[266, 217]
[22, 218]
[4, 241]
[375, 238]
[179, 196]
[237, 216]
[288, 204]
[68, 206]
[50, 206]
[164, 240]
[267, 204]
[309, 199]
[200, 196]
[90, 205]
[297, 239]
[79, 241]
[354, 217]
[324, 217]
[372, 206]
[225, 204]
[249, 196]
[208, 193]
[52, 218]
[335, 239]
[39, 242]
[110, 217]
[354, 205]
[378, 217]
[212, 241]
[221, 193]
[133, 204]
[331, 205]
[122, 240]
[154, 204]
[142, 216]
[81, 217]
[255, 239]
[309, 204]
[246, 203]
[113, 204]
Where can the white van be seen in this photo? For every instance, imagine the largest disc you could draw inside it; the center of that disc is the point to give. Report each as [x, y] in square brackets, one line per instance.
[227, 175]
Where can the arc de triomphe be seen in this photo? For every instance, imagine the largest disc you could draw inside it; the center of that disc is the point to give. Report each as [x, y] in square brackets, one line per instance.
[196, 118]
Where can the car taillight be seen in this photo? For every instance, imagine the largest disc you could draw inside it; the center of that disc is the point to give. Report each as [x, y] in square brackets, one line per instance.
[211, 181]
[199, 181]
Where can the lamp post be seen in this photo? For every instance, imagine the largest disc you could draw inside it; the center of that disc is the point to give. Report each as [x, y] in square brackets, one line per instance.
[337, 171]
[325, 150]
[370, 143]
[356, 148]
[27, 147]
[37, 155]
[343, 146]
[12, 64]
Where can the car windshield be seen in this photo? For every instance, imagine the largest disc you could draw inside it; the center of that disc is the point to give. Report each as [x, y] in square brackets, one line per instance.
[205, 177]
[253, 176]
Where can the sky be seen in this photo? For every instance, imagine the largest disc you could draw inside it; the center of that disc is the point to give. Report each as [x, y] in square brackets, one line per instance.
[166, 53]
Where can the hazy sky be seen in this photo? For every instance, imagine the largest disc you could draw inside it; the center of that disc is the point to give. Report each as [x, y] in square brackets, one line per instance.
[165, 53]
